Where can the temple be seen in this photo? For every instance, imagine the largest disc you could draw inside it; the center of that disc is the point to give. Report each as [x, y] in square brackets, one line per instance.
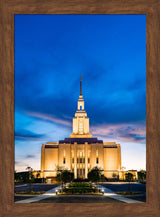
[81, 151]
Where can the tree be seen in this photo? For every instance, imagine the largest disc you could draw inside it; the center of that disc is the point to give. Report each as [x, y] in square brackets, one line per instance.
[142, 176]
[31, 178]
[64, 176]
[38, 175]
[95, 175]
[129, 178]
[67, 176]
[102, 178]
[17, 177]
[114, 175]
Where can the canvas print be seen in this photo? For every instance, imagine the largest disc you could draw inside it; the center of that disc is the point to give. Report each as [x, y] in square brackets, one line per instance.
[80, 109]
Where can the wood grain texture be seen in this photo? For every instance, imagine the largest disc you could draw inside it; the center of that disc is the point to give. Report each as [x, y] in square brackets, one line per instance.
[152, 10]
[1, 70]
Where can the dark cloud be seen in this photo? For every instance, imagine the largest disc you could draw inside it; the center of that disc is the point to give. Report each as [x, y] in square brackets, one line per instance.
[28, 135]
[17, 162]
[139, 137]
[30, 156]
[113, 77]
[99, 109]
[108, 98]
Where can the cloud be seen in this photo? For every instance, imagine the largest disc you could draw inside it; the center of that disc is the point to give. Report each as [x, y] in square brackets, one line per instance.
[30, 156]
[50, 118]
[17, 162]
[139, 137]
[121, 132]
[28, 135]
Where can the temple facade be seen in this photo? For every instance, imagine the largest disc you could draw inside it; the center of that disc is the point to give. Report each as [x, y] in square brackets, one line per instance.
[81, 151]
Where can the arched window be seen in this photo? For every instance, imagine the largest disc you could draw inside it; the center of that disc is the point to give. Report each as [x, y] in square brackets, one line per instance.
[80, 107]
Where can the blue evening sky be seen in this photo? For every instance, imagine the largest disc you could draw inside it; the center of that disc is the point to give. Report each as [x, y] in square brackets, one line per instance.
[51, 52]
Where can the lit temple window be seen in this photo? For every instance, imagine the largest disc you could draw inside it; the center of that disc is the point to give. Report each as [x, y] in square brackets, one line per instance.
[64, 157]
[80, 157]
[80, 127]
[97, 159]
[64, 160]
[80, 107]
[88, 166]
[89, 157]
[72, 156]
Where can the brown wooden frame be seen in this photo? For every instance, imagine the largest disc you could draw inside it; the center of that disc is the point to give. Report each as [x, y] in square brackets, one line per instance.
[152, 10]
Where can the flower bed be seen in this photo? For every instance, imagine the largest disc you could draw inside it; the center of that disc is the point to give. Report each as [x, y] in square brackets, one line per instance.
[80, 188]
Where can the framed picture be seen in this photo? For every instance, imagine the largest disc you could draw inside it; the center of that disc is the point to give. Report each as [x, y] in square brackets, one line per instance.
[73, 63]
[15, 32]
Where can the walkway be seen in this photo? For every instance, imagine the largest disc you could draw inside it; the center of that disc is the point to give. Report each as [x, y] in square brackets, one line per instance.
[17, 186]
[51, 193]
[112, 194]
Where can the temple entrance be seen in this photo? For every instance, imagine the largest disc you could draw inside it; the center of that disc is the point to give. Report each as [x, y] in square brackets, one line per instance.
[80, 165]
[80, 173]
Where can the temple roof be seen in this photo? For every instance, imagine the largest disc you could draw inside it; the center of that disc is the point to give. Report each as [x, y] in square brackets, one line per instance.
[80, 140]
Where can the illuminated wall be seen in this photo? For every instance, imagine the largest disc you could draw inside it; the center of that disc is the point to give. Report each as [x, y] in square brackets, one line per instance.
[112, 159]
[97, 155]
[64, 156]
[106, 156]
[49, 159]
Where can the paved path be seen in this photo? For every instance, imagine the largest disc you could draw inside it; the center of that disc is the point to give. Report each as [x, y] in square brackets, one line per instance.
[109, 193]
[52, 193]
[125, 186]
[47, 194]
[36, 187]
[79, 199]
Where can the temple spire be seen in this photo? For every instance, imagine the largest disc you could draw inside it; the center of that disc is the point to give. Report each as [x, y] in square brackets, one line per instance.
[80, 85]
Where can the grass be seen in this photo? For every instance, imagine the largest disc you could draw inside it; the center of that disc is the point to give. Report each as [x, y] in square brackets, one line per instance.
[32, 192]
[80, 190]
[129, 193]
